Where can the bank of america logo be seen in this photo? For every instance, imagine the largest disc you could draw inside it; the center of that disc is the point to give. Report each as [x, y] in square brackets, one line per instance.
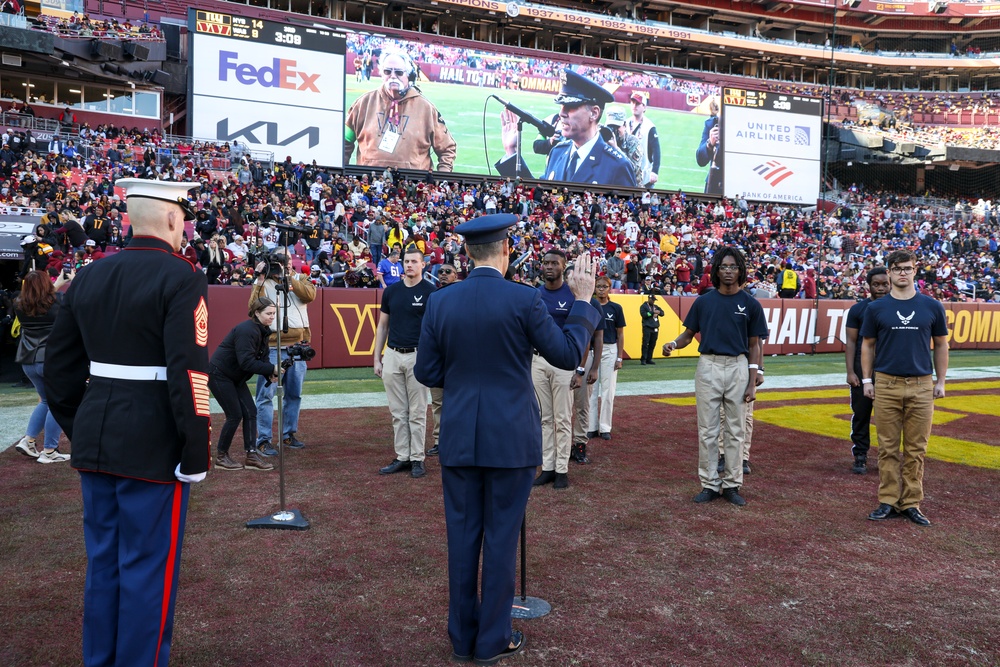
[801, 137]
[773, 172]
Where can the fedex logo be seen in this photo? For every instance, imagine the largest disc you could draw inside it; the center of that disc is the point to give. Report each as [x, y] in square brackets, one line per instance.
[281, 74]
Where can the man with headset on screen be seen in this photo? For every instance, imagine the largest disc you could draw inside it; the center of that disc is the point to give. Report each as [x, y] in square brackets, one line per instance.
[395, 125]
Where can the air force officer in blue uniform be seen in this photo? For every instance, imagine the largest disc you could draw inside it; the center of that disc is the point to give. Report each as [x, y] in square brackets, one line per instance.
[476, 342]
[582, 156]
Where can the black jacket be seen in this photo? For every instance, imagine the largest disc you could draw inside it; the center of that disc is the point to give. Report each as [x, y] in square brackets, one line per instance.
[243, 352]
[35, 333]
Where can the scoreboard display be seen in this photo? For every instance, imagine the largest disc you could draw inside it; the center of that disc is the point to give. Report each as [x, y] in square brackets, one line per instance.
[268, 86]
[771, 145]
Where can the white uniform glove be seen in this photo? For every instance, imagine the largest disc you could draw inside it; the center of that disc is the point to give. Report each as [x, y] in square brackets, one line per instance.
[189, 479]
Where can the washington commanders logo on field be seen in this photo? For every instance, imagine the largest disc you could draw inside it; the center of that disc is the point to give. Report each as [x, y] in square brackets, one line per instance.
[773, 172]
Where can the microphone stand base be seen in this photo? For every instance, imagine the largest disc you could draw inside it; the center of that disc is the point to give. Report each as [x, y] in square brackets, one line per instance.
[529, 607]
[281, 520]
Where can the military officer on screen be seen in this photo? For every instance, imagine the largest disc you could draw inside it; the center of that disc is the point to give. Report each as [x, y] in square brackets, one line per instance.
[476, 342]
[126, 373]
[582, 156]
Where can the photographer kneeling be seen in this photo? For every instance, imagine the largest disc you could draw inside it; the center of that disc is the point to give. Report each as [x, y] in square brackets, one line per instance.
[241, 354]
[270, 283]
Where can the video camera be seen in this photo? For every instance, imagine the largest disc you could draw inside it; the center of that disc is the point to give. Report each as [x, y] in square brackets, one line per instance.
[297, 352]
[274, 266]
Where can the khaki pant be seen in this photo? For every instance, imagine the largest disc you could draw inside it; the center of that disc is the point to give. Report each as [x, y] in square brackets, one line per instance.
[408, 404]
[437, 393]
[747, 431]
[719, 384]
[607, 380]
[581, 403]
[555, 401]
[904, 407]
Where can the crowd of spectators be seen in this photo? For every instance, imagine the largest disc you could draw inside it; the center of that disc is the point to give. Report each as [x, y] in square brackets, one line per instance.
[649, 242]
[81, 25]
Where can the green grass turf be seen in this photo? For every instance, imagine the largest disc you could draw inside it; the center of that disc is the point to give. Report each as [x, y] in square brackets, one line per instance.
[363, 380]
[462, 109]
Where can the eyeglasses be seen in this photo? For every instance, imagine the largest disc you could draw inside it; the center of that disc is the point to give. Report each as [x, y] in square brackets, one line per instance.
[903, 270]
[395, 72]
[728, 267]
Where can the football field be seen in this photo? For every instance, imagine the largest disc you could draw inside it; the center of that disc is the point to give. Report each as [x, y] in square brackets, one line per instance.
[471, 117]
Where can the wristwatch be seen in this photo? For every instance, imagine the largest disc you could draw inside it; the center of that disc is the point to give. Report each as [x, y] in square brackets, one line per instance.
[580, 370]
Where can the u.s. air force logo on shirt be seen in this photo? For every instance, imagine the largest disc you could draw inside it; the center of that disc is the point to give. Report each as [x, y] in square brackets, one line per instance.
[418, 301]
[905, 319]
[741, 310]
[561, 306]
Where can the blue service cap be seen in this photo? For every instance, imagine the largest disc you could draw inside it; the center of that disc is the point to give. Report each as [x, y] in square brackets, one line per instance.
[578, 89]
[487, 228]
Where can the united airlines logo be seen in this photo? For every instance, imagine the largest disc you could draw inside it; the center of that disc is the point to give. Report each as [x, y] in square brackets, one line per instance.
[905, 319]
[773, 172]
[801, 136]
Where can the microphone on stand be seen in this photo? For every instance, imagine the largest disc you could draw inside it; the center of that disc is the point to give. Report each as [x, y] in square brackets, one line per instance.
[545, 129]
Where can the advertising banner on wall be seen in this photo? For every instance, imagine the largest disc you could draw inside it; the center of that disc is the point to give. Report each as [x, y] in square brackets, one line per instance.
[268, 86]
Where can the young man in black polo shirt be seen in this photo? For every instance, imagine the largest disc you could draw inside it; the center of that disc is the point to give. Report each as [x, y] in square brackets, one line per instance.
[405, 301]
[731, 322]
[897, 376]
[610, 361]
[861, 406]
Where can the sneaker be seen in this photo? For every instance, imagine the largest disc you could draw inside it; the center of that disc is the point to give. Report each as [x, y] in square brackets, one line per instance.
[224, 462]
[860, 466]
[746, 468]
[27, 447]
[55, 456]
[254, 461]
[292, 442]
[417, 469]
[706, 496]
[264, 448]
[732, 494]
[433, 451]
[562, 481]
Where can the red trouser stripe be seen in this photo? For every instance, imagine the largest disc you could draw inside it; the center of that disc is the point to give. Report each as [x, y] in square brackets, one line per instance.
[168, 576]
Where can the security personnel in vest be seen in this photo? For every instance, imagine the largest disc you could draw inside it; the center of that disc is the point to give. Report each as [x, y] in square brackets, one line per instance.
[135, 325]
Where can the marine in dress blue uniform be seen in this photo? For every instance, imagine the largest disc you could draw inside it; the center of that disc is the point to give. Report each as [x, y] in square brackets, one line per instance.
[476, 343]
[596, 161]
[136, 325]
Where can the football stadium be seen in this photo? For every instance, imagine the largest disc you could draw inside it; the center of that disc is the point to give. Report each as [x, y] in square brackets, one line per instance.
[769, 439]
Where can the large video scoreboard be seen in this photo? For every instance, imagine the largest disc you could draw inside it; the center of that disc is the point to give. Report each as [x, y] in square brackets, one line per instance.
[269, 86]
[771, 146]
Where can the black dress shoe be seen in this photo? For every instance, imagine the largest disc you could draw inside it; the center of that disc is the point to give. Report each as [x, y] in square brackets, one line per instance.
[562, 481]
[882, 512]
[732, 494]
[394, 467]
[266, 449]
[914, 515]
[455, 657]
[517, 643]
[591, 434]
[642, 362]
[706, 496]
[650, 363]
[417, 469]
[605, 436]
[433, 451]
[546, 477]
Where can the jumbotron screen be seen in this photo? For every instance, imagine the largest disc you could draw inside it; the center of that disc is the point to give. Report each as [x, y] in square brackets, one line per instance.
[269, 86]
[458, 90]
[770, 146]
